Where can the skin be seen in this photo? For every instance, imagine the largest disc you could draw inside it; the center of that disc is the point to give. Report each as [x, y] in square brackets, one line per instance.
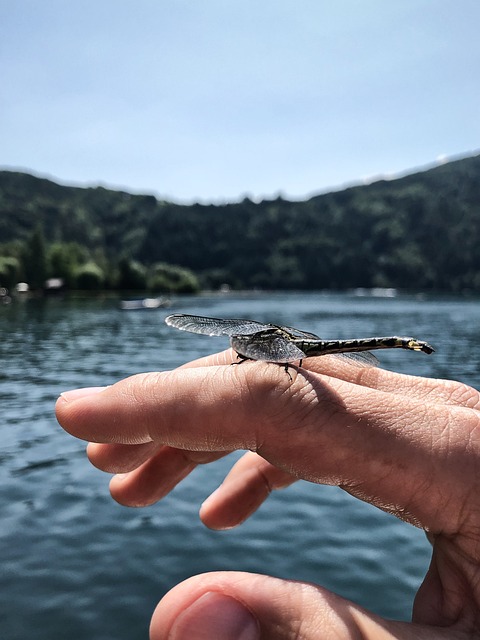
[409, 445]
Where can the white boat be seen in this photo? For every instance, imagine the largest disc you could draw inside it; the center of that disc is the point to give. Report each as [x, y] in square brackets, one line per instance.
[145, 303]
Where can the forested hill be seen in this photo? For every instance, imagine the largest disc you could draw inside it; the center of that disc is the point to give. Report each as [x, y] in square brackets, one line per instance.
[421, 231]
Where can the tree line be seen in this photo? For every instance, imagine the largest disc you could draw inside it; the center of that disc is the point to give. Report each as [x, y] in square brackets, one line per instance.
[73, 266]
[421, 232]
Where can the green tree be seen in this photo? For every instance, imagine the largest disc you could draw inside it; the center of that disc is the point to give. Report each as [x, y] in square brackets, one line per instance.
[172, 279]
[89, 277]
[63, 260]
[9, 271]
[35, 259]
[131, 275]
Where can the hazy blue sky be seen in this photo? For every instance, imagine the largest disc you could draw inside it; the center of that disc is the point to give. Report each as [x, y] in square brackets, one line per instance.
[218, 99]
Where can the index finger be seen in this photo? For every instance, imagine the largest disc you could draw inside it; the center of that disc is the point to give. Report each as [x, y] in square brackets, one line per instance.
[449, 392]
[382, 446]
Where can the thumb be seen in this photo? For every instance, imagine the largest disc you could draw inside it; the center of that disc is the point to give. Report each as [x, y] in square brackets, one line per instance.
[243, 606]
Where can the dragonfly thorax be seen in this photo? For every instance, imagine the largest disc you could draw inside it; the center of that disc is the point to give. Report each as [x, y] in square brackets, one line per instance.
[272, 345]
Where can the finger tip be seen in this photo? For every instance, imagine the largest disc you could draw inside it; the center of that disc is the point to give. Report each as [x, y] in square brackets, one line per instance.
[69, 406]
[204, 614]
[217, 520]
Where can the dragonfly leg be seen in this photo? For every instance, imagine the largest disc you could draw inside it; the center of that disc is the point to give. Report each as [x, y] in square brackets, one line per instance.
[244, 358]
[240, 359]
[287, 371]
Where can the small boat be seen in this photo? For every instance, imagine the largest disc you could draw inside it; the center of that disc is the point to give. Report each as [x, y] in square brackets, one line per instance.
[145, 303]
[375, 292]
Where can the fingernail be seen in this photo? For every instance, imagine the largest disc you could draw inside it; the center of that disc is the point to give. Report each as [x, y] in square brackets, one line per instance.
[120, 477]
[215, 615]
[76, 394]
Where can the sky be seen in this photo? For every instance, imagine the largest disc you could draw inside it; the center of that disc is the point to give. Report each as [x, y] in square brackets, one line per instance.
[217, 100]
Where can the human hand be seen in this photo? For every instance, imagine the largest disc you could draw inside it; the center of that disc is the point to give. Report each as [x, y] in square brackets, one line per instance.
[408, 445]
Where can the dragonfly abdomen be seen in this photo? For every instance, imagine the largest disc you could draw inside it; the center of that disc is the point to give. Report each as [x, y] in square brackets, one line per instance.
[322, 347]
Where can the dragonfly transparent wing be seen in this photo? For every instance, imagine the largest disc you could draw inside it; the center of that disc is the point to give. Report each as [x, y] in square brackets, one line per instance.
[297, 333]
[215, 326]
[268, 346]
[361, 359]
[257, 340]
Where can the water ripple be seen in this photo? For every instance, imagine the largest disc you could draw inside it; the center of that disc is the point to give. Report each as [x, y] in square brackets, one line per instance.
[75, 561]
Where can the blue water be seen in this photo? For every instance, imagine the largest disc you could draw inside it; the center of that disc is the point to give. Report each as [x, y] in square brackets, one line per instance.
[75, 564]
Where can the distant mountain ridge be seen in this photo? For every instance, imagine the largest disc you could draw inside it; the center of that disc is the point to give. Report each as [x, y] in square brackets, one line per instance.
[420, 231]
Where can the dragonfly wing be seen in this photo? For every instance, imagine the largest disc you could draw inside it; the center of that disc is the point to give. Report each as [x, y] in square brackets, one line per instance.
[214, 326]
[297, 333]
[267, 346]
[361, 358]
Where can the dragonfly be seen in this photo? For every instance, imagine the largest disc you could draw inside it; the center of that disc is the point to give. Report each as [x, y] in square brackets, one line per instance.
[254, 340]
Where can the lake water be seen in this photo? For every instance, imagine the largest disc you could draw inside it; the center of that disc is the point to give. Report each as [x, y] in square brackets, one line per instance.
[73, 563]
